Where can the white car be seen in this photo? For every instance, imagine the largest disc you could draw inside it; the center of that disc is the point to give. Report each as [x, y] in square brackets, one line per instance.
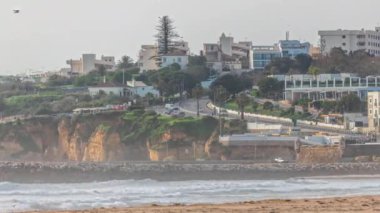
[279, 160]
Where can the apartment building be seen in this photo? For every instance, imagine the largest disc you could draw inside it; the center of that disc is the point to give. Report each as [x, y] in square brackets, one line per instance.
[263, 55]
[228, 55]
[351, 40]
[88, 63]
[373, 102]
[292, 48]
[149, 58]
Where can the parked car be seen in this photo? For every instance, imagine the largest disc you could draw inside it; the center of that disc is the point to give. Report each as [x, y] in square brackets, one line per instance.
[177, 114]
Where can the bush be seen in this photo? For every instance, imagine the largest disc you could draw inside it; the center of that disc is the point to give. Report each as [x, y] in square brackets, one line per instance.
[268, 106]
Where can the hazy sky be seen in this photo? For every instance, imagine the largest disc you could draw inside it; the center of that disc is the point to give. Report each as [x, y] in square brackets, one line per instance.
[48, 32]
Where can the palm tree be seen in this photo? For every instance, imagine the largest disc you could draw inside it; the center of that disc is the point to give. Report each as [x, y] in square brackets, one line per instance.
[197, 93]
[125, 63]
[242, 100]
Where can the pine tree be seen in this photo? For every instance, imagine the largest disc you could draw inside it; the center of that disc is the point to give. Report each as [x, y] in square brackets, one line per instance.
[166, 35]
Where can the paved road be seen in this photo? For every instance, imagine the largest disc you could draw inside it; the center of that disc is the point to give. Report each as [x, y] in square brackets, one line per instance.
[190, 107]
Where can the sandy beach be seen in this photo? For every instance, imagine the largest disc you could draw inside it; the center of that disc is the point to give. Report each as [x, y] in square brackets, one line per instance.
[345, 204]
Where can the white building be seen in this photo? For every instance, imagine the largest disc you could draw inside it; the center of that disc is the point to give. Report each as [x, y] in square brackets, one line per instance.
[351, 40]
[175, 58]
[149, 57]
[226, 54]
[108, 89]
[139, 88]
[327, 86]
[88, 63]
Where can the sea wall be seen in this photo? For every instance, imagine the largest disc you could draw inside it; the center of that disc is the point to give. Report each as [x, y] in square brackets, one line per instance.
[84, 172]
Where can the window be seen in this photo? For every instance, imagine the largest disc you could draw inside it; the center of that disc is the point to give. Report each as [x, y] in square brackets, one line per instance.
[179, 60]
[343, 36]
[164, 59]
[370, 111]
[370, 100]
[344, 44]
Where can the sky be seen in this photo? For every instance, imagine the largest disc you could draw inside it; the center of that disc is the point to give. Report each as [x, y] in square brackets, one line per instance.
[46, 33]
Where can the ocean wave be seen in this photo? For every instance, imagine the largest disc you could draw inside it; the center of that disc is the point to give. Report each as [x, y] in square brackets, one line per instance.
[23, 197]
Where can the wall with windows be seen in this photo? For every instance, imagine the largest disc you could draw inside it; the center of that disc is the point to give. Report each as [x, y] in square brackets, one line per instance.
[183, 61]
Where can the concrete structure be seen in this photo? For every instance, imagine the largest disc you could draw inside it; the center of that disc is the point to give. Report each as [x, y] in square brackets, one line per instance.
[272, 129]
[351, 40]
[88, 63]
[263, 55]
[108, 89]
[260, 147]
[139, 88]
[292, 48]
[175, 58]
[147, 58]
[327, 86]
[373, 102]
[227, 55]
[354, 120]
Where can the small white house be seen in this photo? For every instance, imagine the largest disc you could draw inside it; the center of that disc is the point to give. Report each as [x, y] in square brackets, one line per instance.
[175, 58]
[108, 89]
[139, 88]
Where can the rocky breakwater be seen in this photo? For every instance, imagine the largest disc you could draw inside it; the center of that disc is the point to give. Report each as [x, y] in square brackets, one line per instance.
[84, 172]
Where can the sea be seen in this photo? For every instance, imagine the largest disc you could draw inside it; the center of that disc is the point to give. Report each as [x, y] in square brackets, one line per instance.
[16, 197]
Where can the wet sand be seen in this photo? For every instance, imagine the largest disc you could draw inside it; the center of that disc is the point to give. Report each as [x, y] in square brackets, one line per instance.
[345, 204]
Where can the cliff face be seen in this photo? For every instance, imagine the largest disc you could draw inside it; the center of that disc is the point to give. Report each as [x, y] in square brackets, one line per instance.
[109, 137]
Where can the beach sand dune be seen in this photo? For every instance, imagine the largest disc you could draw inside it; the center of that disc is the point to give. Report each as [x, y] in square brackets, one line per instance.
[326, 205]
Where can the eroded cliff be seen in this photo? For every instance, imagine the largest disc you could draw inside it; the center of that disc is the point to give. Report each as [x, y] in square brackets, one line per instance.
[136, 135]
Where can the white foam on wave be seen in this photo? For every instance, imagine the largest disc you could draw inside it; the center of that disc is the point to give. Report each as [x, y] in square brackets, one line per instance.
[22, 197]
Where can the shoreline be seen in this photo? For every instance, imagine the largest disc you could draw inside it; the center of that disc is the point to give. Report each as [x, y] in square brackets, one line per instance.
[60, 172]
[334, 204]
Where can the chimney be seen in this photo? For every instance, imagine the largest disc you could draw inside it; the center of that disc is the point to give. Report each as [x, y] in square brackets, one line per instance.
[287, 35]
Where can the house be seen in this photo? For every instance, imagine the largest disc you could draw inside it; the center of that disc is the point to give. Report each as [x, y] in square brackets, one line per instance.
[108, 89]
[179, 58]
[139, 88]
[88, 63]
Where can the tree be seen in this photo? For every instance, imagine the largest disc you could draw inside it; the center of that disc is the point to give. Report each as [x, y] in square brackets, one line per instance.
[166, 35]
[197, 93]
[268, 105]
[2, 105]
[125, 63]
[303, 62]
[199, 73]
[197, 61]
[313, 70]
[102, 70]
[270, 88]
[57, 80]
[349, 103]
[280, 65]
[232, 83]
[242, 101]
